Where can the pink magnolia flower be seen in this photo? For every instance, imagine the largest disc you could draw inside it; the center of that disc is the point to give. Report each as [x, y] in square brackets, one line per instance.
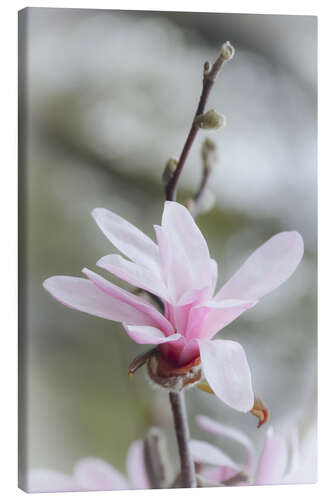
[271, 467]
[179, 270]
[93, 474]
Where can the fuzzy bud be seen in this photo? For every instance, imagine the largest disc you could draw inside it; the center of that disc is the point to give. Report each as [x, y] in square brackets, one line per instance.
[227, 51]
[208, 152]
[169, 170]
[211, 120]
[173, 378]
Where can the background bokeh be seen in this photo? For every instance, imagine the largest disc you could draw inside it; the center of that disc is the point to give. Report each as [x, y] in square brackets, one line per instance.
[108, 97]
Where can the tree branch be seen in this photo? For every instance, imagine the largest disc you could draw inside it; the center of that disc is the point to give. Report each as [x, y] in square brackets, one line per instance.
[210, 75]
[177, 401]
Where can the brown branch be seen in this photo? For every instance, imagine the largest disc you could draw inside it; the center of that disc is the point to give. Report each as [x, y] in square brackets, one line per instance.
[157, 460]
[210, 75]
[188, 479]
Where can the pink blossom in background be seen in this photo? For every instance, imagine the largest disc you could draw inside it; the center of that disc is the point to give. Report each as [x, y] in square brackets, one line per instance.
[93, 474]
[179, 270]
[274, 465]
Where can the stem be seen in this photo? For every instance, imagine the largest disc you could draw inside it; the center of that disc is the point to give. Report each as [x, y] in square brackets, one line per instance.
[207, 84]
[188, 479]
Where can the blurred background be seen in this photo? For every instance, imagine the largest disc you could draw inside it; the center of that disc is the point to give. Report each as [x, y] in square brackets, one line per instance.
[107, 97]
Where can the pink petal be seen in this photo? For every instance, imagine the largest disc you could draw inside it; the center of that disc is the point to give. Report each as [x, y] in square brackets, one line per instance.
[227, 371]
[179, 314]
[127, 238]
[135, 466]
[217, 475]
[183, 250]
[206, 453]
[273, 460]
[266, 269]
[149, 335]
[134, 274]
[150, 315]
[49, 481]
[207, 319]
[181, 351]
[83, 295]
[93, 474]
[218, 429]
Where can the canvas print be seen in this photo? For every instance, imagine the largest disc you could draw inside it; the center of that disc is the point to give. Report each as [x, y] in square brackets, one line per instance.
[167, 250]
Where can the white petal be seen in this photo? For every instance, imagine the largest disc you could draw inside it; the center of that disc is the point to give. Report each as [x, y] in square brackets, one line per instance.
[218, 429]
[50, 481]
[134, 274]
[135, 466]
[83, 295]
[273, 460]
[127, 238]
[206, 453]
[184, 251]
[149, 335]
[93, 474]
[152, 316]
[267, 268]
[227, 371]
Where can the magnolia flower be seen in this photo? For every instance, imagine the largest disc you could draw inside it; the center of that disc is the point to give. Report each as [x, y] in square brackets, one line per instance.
[179, 270]
[271, 467]
[92, 474]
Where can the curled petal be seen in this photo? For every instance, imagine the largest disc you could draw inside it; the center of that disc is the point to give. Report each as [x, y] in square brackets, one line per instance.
[127, 238]
[266, 269]
[83, 295]
[206, 453]
[152, 316]
[93, 474]
[135, 466]
[149, 335]
[227, 371]
[134, 274]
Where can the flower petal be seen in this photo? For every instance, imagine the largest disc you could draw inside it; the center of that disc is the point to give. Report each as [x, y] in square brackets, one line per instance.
[218, 429]
[273, 460]
[227, 371]
[184, 251]
[149, 335]
[83, 295]
[50, 481]
[152, 316]
[134, 274]
[266, 269]
[206, 453]
[127, 238]
[94, 474]
[207, 319]
[135, 466]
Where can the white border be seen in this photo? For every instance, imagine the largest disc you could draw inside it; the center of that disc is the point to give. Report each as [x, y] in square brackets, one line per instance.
[8, 198]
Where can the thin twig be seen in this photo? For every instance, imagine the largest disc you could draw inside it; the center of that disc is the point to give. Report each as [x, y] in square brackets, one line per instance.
[177, 401]
[210, 75]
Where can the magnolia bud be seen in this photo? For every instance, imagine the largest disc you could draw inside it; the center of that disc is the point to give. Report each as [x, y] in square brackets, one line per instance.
[210, 120]
[208, 152]
[227, 51]
[169, 170]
